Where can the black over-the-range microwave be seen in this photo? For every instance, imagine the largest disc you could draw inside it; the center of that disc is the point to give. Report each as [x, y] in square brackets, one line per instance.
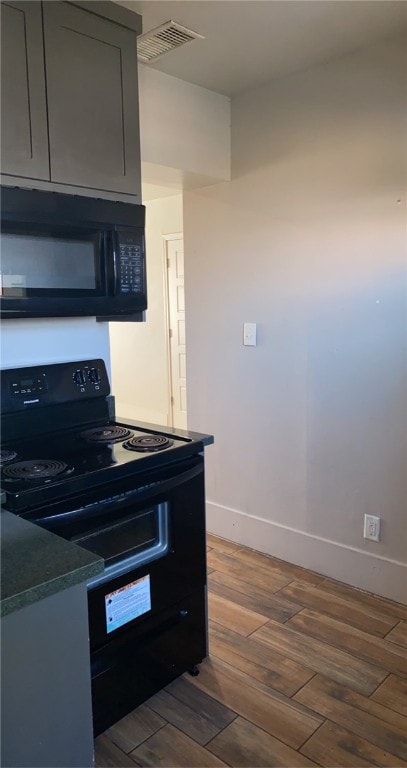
[68, 256]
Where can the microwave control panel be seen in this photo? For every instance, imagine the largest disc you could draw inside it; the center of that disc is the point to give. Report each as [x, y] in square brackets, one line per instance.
[131, 264]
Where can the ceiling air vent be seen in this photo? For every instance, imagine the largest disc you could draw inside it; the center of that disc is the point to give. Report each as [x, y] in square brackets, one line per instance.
[163, 39]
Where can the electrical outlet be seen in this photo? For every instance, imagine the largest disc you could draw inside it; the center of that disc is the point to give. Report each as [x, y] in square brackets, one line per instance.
[371, 528]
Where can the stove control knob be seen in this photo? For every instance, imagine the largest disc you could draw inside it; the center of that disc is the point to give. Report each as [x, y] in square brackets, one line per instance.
[93, 375]
[79, 378]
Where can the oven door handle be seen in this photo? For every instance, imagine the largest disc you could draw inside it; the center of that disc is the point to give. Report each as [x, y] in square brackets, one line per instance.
[102, 505]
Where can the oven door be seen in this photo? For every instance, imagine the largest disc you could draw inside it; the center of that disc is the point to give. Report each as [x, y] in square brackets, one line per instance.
[151, 535]
[145, 583]
[148, 625]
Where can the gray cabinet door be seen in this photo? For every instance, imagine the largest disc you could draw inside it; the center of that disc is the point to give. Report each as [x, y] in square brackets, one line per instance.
[24, 138]
[91, 66]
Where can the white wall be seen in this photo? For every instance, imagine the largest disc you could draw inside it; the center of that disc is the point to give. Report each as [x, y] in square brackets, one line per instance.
[57, 340]
[139, 350]
[185, 141]
[309, 241]
[183, 128]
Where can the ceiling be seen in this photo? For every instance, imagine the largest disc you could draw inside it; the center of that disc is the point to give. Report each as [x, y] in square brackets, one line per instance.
[249, 42]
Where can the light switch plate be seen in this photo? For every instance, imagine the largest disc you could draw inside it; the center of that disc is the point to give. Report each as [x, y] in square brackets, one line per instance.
[250, 334]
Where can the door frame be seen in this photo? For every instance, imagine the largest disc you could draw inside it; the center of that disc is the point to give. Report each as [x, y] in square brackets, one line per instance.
[166, 238]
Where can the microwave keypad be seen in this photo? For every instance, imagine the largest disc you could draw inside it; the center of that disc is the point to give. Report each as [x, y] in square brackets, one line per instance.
[131, 269]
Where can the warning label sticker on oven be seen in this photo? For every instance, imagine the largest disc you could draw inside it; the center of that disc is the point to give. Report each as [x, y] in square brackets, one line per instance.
[127, 603]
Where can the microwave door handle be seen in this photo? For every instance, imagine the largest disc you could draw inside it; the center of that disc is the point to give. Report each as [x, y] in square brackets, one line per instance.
[115, 251]
[110, 257]
[111, 260]
[104, 247]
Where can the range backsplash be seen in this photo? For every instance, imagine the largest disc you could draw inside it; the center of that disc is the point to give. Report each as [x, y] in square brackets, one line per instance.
[57, 340]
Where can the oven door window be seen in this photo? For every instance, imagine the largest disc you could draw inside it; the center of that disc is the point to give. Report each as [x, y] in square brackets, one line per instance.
[42, 261]
[128, 542]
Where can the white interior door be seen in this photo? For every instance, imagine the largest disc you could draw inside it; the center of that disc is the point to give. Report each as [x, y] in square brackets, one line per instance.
[176, 317]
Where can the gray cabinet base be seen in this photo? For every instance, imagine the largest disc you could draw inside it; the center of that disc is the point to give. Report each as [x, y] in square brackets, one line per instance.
[46, 712]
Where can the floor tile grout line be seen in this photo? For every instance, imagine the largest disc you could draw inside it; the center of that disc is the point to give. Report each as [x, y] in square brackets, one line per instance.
[349, 652]
[213, 570]
[281, 563]
[275, 690]
[355, 706]
[349, 727]
[252, 636]
[307, 669]
[357, 629]
[143, 740]
[259, 611]
[177, 728]
[304, 686]
[385, 609]
[206, 694]
[392, 630]
[325, 720]
[380, 684]
[235, 589]
[255, 630]
[197, 713]
[324, 611]
[274, 563]
[335, 648]
[256, 681]
[283, 743]
[207, 745]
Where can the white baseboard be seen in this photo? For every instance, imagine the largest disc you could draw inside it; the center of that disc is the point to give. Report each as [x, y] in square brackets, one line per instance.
[353, 566]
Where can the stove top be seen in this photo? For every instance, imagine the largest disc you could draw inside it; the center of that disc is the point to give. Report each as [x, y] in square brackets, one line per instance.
[54, 455]
[58, 464]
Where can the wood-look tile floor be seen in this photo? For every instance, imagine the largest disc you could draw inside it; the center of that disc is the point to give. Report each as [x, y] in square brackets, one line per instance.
[302, 671]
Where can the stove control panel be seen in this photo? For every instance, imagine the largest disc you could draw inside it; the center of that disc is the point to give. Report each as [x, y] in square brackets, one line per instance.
[79, 378]
[94, 376]
[27, 385]
[24, 388]
[87, 378]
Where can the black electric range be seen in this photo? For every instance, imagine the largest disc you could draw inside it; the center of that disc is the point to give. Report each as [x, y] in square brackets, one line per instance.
[128, 492]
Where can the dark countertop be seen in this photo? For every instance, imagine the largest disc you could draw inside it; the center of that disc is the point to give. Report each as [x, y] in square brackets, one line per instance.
[36, 563]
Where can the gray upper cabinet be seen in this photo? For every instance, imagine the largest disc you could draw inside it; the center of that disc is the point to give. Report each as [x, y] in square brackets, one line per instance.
[92, 99]
[24, 136]
[90, 117]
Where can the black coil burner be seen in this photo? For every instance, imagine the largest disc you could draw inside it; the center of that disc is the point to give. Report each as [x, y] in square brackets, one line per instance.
[148, 443]
[6, 456]
[110, 434]
[41, 469]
